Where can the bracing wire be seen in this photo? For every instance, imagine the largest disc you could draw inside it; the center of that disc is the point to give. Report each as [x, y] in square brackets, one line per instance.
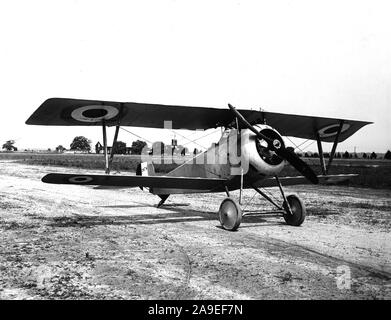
[190, 141]
[298, 146]
[135, 134]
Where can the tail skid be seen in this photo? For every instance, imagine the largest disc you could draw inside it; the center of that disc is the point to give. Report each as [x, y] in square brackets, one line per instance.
[148, 169]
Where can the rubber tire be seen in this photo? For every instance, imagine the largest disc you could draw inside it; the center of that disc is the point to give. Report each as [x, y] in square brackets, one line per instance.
[298, 209]
[229, 208]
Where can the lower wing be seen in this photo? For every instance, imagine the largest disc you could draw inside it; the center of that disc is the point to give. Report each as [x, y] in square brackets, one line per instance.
[290, 181]
[134, 181]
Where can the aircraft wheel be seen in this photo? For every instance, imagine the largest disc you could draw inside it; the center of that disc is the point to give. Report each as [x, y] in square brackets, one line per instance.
[230, 214]
[298, 210]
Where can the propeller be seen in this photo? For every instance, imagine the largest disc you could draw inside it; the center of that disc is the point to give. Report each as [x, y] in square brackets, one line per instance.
[276, 146]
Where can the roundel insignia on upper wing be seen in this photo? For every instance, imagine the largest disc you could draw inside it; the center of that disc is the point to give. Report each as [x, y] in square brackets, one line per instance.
[332, 130]
[80, 179]
[94, 113]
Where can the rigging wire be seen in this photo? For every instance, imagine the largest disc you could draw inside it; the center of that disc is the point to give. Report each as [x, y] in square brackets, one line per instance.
[135, 134]
[310, 161]
[201, 137]
[249, 202]
[188, 139]
[298, 146]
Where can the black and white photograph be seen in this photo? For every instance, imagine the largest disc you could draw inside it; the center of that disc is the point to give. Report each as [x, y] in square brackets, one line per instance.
[209, 151]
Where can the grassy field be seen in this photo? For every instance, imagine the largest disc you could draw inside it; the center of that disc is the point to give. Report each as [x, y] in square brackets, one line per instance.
[372, 173]
[79, 160]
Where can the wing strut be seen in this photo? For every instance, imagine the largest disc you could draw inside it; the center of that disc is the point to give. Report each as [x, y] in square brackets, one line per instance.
[325, 169]
[334, 146]
[321, 156]
[107, 169]
[114, 147]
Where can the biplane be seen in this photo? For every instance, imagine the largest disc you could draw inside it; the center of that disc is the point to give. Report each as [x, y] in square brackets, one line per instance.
[250, 153]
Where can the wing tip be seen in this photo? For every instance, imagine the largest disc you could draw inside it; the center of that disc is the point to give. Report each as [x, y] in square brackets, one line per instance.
[46, 179]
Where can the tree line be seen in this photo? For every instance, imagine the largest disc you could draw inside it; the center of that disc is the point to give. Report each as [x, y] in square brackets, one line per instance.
[347, 155]
[83, 144]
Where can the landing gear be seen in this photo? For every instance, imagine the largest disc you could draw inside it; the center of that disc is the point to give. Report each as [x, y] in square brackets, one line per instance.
[292, 209]
[296, 215]
[230, 214]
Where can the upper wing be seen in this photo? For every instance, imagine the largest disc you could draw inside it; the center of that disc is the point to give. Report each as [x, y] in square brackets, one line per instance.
[134, 181]
[66, 112]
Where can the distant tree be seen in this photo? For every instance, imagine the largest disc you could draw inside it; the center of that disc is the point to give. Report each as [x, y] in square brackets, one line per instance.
[346, 155]
[119, 148]
[315, 155]
[81, 143]
[373, 155]
[326, 155]
[9, 145]
[60, 149]
[195, 151]
[388, 155]
[338, 155]
[137, 146]
[355, 155]
[364, 155]
[306, 155]
[299, 154]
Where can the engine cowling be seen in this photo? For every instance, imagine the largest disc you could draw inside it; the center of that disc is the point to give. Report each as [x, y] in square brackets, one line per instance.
[257, 153]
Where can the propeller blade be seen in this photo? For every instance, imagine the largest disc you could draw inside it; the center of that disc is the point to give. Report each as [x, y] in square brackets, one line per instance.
[298, 164]
[248, 125]
[281, 151]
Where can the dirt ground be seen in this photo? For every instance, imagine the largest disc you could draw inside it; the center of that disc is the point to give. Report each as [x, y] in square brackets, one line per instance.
[77, 242]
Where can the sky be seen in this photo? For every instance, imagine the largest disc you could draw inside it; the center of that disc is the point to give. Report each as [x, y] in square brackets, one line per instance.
[321, 58]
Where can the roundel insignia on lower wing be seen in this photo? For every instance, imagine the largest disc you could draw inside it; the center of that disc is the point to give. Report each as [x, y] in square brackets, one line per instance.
[94, 113]
[80, 179]
[332, 130]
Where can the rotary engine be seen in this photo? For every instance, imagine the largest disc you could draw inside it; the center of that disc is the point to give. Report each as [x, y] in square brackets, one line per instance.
[257, 153]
